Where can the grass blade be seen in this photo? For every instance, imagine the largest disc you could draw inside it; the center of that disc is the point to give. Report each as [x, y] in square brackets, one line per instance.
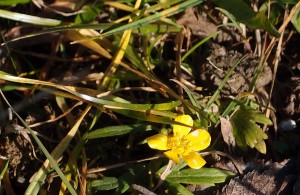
[28, 18]
[155, 17]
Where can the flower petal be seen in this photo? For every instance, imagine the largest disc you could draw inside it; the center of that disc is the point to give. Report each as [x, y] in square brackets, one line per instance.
[158, 142]
[199, 139]
[172, 155]
[194, 160]
[183, 130]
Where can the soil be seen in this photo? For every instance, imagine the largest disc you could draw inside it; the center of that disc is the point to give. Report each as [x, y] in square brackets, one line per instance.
[217, 63]
[15, 148]
[18, 151]
[272, 178]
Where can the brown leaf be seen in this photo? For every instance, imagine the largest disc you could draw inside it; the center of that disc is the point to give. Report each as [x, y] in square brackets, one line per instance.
[226, 129]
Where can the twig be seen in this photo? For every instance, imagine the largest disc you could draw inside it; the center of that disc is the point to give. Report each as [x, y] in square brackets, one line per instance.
[57, 118]
[257, 34]
[164, 175]
[236, 164]
[100, 169]
[142, 189]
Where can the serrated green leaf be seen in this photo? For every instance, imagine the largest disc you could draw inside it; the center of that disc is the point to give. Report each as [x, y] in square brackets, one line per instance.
[250, 114]
[260, 118]
[246, 131]
[253, 134]
[239, 137]
[249, 134]
[204, 176]
[117, 130]
[261, 146]
[107, 183]
[245, 14]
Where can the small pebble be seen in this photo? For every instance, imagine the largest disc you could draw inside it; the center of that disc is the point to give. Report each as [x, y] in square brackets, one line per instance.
[288, 125]
[21, 179]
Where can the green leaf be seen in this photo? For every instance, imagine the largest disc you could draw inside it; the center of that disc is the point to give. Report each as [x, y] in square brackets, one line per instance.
[107, 183]
[276, 11]
[245, 14]
[246, 131]
[133, 176]
[117, 130]
[13, 2]
[88, 16]
[203, 176]
[261, 146]
[296, 20]
[123, 187]
[259, 118]
[176, 188]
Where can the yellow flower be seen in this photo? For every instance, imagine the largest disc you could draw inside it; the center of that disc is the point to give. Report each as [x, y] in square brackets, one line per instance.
[182, 143]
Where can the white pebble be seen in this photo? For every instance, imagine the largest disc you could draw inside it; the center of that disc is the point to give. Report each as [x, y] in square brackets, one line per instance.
[288, 125]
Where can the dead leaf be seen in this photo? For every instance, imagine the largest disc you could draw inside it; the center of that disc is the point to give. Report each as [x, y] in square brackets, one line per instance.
[226, 129]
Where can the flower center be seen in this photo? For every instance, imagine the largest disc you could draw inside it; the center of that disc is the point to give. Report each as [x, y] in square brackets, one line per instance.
[180, 145]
